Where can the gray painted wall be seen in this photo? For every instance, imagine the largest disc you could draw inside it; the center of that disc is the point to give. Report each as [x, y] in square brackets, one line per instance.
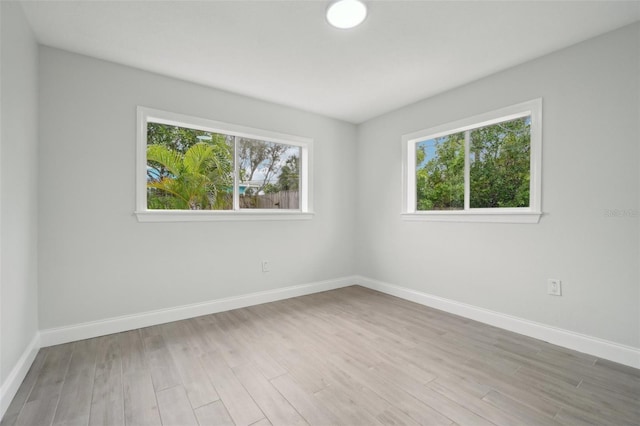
[591, 100]
[97, 261]
[18, 192]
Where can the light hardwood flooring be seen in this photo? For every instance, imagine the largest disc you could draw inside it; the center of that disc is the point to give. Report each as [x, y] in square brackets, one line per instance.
[345, 357]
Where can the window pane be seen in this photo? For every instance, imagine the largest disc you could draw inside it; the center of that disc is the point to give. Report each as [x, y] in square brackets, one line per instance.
[269, 175]
[188, 169]
[440, 173]
[499, 160]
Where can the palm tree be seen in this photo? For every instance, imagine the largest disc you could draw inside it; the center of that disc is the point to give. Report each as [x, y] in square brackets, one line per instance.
[199, 179]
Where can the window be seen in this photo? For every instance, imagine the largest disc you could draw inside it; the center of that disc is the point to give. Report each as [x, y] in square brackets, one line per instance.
[484, 168]
[193, 169]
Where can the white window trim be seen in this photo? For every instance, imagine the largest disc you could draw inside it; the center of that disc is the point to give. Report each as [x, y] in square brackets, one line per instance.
[144, 214]
[529, 214]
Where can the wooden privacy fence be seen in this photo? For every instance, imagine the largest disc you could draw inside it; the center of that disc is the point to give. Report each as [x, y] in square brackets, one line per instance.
[276, 200]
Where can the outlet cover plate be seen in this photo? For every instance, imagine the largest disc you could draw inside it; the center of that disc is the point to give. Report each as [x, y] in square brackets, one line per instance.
[554, 287]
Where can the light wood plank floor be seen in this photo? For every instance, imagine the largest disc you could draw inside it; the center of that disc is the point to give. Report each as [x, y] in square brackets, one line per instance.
[350, 356]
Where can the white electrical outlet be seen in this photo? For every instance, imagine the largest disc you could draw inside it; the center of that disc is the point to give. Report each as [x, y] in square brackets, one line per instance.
[554, 287]
[265, 266]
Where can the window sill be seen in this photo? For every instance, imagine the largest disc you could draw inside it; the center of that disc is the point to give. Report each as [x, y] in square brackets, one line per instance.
[216, 216]
[471, 216]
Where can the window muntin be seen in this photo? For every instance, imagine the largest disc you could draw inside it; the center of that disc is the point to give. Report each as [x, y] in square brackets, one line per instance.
[477, 167]
[196, 169]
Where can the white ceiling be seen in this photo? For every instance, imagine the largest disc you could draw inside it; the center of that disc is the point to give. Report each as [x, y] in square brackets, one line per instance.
[285, 52]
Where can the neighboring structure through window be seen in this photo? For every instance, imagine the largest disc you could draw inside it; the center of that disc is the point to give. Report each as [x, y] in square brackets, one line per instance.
[482, 168]
[197, 165]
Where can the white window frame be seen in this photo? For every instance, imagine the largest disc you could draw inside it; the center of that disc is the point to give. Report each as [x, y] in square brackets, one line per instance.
[145, 115]
[529, 214]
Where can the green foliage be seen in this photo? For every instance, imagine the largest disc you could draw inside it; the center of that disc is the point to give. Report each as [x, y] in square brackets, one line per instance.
[500, 165]
[289, 179]
[440, 181]
[179, 139]
[186, 173]
[499, 168]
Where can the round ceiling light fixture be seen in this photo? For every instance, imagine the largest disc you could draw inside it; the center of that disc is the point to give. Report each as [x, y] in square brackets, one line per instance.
[345, 14]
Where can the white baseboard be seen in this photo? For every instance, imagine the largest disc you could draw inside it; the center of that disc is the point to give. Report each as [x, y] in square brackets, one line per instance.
[59, 335]
[10, 386]
[601, 348]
